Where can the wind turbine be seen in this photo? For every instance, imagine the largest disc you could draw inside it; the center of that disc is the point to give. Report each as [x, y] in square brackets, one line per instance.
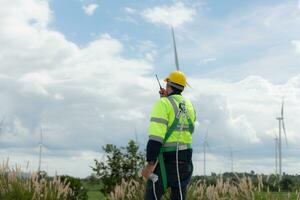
[281, 126]
[205, 145]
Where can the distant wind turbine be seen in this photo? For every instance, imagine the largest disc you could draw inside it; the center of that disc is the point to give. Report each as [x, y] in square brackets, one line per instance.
[281, 127]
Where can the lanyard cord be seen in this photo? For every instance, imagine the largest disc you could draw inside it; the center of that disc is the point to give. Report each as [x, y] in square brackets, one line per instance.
[154, 178]
[177, 150]
[154, 192]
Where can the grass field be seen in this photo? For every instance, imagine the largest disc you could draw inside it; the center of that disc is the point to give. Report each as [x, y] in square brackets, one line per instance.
[241, 189]
[93, 191]
[95, 194]
[278, 196]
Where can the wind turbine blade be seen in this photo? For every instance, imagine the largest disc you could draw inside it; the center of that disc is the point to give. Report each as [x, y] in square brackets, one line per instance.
[175, 50]
[283, 126]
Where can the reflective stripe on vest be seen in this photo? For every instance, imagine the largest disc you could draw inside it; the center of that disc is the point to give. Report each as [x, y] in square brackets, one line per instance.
[159, 120]
[156, 138]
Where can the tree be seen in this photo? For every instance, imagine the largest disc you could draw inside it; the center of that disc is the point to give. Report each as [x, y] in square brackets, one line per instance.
[121, 163]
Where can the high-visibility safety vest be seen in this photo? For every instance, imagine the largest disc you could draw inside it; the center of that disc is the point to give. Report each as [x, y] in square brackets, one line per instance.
[172, 123]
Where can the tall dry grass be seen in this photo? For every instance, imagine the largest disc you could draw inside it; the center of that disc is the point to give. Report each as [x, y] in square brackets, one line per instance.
[15, 187]
[241, 189]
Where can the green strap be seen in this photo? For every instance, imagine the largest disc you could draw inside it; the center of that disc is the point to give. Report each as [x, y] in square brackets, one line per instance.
[163, 171]
[161, 158]
[191, 126]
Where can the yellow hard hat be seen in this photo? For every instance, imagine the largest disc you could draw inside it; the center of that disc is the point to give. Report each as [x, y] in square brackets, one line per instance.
[177, 77]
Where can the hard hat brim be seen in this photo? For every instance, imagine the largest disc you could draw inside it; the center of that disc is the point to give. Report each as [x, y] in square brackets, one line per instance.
[167, 79]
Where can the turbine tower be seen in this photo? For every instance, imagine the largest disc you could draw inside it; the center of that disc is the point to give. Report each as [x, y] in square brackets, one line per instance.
[2, 123]
[231, 158]
[136, 136]
[205, 145]
[40, 150]
[276, 153]
[281, 127]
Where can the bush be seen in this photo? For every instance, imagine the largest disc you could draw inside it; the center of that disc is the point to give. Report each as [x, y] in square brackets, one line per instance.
[78, 191]
[286, 184]
[121, 163]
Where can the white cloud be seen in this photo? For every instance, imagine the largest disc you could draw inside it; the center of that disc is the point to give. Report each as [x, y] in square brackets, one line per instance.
[146, 49]
[174, 15]
[208, 60]
[90, 9]
[130, 10]
[243, 113]
[37, 13]
[296, 44]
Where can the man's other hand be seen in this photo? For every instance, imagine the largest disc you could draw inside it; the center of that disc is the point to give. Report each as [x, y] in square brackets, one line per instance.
[148, 169]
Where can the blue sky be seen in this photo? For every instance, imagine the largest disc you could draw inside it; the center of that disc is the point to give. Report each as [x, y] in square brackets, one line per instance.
[70, 19]
[208, 23]
[84, 70]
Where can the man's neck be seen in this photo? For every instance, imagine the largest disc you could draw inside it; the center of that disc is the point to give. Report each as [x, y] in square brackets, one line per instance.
[174, 93]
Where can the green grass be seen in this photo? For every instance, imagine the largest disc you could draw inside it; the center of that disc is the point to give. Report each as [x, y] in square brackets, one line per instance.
[93, 191]
[95, 195]
[277, 195]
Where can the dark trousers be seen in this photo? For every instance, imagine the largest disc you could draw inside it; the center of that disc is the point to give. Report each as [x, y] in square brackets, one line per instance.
[185, 171]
